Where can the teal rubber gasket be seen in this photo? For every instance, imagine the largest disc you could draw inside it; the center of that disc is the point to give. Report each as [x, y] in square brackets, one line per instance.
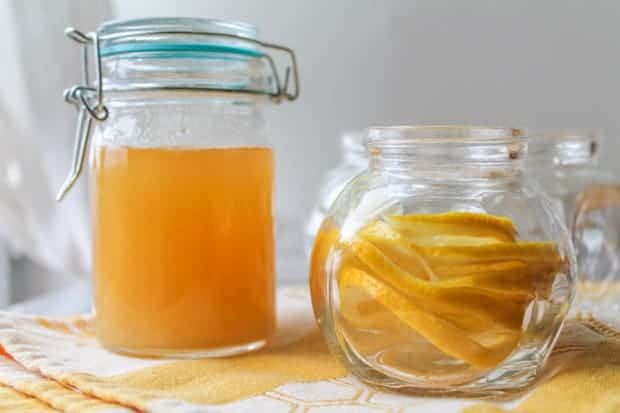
[169, 49]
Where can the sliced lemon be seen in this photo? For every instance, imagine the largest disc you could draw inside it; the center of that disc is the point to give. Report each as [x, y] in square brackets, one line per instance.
[527, 252]
[408, 258]
[469, 251]
[454, 228]
[511, 276]
[379, 230]
[484, 350]
[324, 243]
[461, 301]
[500, 278]
[361, 310]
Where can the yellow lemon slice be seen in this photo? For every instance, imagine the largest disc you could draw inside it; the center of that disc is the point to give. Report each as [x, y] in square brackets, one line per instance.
[483, 351]
[454, 228]
[457, 301]
[324, 244]
[405, 256]
[360, 309]
[533, 252]
[379, 230]
[510, 277]
[443, 260]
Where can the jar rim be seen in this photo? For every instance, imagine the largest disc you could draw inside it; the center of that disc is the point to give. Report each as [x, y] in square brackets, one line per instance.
[176, 53]
[177, 37]
[185, 53]
[407, 135]
[437, 147]
[569, 146]
[552, 136]
[111, 28]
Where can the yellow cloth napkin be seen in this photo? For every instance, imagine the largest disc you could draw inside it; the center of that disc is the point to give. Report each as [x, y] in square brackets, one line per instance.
[65, 354]
[59, 363]
[587, 383]
[12, 401]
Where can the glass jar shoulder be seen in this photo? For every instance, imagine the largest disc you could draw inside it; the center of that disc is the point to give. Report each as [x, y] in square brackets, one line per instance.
[370, 195]
[334, 182]
[569, 181]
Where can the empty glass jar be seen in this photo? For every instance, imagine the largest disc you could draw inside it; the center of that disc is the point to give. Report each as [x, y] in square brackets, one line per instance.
[565, 163]
[442, 269]
[354, 160]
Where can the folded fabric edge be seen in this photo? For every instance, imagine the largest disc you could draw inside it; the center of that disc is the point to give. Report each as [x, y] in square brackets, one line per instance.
[51, 392]
[65, 351]
[569, 345]
[598, 326]
[12, 400]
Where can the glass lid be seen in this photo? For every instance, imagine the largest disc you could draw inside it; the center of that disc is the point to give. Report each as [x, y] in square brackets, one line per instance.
[178, 38]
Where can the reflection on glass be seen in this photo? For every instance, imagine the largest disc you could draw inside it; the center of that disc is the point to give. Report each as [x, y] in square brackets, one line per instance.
[354, 160]
[565, 163]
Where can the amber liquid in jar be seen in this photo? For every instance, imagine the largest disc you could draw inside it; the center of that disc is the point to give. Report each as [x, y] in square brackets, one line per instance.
[183, 249]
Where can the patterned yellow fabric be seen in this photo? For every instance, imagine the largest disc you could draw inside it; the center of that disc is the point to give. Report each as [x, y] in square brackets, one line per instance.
[27, 385]
[12, 401]
[215, 381]
[589, 383]
[59, 363]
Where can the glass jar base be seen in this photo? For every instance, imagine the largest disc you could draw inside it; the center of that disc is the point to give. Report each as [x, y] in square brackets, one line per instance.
[506, 388]
[509, 380]
[197, 353]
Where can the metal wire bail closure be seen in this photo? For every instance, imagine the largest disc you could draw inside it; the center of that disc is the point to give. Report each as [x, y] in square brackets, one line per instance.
[89, 100]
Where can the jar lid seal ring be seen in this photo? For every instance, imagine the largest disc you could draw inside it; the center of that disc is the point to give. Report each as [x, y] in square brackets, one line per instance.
[89, 101]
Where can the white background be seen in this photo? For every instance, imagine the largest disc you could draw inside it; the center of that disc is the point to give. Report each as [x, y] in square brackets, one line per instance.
[515, 63]
[521, 63]
[532, 63]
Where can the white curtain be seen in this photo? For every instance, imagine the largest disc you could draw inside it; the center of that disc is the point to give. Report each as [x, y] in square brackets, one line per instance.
[36, 138]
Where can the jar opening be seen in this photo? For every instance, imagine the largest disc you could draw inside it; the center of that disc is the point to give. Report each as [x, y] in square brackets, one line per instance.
[563, 146]
[425, 148]
[404, 136]
[177, 37]
[183, 54]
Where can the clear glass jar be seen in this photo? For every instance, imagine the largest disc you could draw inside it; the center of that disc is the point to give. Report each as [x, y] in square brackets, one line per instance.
[565, 163]
[354, 160]
[442, 269]
[181, 181]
